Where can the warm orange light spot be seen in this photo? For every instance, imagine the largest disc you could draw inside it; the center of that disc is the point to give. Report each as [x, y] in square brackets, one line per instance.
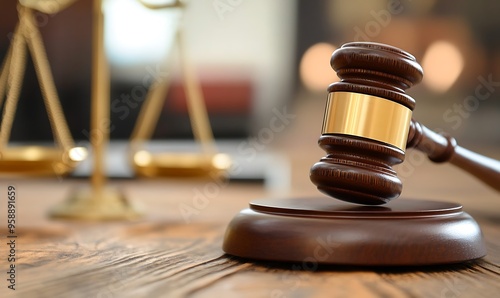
[442, 65]
[315, 71]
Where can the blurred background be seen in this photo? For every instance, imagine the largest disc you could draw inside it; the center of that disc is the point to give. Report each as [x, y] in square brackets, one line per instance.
[254, 57]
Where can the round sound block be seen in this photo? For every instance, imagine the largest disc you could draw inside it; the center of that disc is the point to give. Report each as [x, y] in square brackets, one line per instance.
[324, 231]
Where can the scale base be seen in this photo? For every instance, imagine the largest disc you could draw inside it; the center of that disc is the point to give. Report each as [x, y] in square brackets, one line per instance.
[326, 231]
[94, 205]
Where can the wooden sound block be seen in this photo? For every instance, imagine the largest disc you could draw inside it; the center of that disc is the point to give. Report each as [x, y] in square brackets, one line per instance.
[326, 231]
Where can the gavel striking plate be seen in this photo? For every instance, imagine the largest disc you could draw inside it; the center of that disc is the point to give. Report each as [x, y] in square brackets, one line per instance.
[367, 127]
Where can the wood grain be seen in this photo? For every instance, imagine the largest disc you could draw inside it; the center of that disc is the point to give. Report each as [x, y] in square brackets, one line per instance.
[163, 256]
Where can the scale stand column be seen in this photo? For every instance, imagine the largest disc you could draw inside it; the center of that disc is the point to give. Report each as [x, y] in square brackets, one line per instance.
[98, 202]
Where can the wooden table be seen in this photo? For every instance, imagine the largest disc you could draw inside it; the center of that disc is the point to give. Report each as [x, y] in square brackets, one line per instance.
[167, 254]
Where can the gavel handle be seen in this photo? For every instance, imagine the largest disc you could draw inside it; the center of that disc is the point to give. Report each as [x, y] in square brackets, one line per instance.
[443, 148]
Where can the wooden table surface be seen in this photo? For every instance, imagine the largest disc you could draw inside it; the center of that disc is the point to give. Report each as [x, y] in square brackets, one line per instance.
[166, 254]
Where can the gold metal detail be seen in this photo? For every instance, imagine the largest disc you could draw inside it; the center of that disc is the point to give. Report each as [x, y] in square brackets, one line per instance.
[208, 162]
[24, 160]
[367, 116]
[98, 202]
[107, 204]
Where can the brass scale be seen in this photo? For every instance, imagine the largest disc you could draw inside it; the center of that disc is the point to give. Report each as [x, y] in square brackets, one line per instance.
[98, 201]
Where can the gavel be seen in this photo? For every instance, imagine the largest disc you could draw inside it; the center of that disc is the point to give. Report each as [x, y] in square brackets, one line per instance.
[366, 129]
[368, 126]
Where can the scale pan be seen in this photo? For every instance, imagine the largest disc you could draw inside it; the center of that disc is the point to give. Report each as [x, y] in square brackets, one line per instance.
[39, 160]
[179, 164]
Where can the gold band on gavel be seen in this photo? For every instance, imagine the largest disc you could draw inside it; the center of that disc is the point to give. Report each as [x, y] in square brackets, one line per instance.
[367, 116]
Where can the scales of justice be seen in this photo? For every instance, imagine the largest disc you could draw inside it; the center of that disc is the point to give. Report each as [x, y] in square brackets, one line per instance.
[98, 201]
[367, 128]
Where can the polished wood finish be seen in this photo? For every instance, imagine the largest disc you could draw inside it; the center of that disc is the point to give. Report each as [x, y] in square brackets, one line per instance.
[162, 255]
[443, 148]
[359, 170]
[402, 233]
[168, 255]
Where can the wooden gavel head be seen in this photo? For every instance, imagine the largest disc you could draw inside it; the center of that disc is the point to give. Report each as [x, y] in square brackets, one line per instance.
[366, 123]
